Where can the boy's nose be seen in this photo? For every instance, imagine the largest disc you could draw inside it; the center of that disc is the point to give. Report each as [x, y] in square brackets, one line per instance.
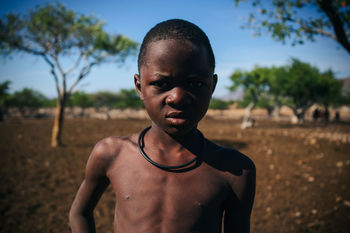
[178, 97]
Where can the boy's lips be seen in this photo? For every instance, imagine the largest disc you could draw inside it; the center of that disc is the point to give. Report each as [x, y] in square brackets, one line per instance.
[176, 115]
[177, 118]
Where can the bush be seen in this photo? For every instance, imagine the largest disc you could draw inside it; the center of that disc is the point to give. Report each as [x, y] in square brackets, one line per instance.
[80, 99]
[49, 103]
[123, 99]
[219, 104]
[26, 98]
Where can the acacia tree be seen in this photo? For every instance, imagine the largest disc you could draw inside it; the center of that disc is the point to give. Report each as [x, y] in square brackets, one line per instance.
[53, 33]
[300, 20]
[329, 90]
[305, 85]
[297, 84]
[254, 84]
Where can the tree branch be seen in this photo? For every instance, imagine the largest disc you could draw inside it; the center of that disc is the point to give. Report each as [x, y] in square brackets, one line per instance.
[83, 73]
[75, 65]
[310, 29]
[19, 47]
[86, 69]
[58, 65]
[64, 83]
[59, 92]
[317, 31]
[46, 59]
[327, 7]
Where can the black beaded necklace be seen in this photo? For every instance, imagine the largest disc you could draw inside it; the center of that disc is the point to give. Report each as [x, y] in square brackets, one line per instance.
[165, 167]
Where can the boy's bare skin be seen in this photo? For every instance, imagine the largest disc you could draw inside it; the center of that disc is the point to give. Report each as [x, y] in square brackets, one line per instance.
[176, 85]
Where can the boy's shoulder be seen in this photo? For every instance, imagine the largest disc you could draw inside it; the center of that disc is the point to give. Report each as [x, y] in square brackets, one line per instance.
[107, 151]
[227, 159]
[110, 147]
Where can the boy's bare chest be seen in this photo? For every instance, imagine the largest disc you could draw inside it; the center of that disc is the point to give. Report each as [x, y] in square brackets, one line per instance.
[140, 187]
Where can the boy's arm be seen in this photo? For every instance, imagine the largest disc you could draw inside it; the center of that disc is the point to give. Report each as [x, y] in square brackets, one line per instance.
[94, 184]
[238, 208]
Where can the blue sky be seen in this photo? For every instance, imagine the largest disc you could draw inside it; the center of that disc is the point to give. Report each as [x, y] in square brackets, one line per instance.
[233, 47]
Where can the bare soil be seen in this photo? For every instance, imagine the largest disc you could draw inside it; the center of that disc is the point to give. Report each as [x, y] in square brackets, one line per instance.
[302, 173]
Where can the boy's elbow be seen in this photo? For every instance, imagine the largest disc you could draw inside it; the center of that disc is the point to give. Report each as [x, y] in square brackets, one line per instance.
[81, 221]
[73, 215]
[72, 219]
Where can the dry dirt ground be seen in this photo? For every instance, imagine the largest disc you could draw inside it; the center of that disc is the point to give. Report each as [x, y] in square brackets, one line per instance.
[302, 173]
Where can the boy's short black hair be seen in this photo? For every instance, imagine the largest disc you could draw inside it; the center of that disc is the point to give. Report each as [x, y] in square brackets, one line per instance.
[176, 29]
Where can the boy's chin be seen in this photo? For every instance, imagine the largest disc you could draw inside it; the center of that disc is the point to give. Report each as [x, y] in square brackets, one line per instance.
[180, 130]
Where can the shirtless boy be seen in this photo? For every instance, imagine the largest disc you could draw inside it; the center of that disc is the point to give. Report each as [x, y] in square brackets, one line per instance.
[170, 178]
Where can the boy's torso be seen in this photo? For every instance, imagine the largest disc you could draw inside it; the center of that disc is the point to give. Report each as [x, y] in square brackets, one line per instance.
[149, 199]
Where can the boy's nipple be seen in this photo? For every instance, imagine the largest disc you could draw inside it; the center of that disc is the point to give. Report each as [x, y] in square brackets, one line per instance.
[197, 203]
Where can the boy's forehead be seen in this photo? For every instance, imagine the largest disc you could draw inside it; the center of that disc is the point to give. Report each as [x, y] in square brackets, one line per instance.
[174, 45]
[170, 50]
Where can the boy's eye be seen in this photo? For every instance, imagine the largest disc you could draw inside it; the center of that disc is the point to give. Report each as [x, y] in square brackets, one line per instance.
[196, 83]
[161, 84]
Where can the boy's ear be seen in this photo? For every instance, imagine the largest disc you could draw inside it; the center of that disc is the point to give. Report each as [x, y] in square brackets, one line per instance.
[137, 81]
[215, 80]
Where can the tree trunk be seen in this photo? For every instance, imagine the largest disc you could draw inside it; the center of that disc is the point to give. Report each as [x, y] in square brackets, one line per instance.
[338, 26]
[299, 114]
[269, 111]
[58, 122]
[248, 122]
[276, 112]
[326, 114]
[2, 113]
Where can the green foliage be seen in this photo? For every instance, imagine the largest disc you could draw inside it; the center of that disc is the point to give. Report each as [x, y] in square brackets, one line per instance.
[52, 31]
[265, 100]
[254, 83]
[305, 85]
[300, 82]
[297, 84]
[297, 21]
[31, 98]
[245, 101]
[329, 89]
[104, 99]
[49, 103]
[219, 104]
[26, 98]
[129, 99]
[121, 100]
[4, 88]
[344, 100]
[80, 99]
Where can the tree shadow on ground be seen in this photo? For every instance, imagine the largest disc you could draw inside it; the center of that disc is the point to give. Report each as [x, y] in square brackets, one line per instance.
[230, 144]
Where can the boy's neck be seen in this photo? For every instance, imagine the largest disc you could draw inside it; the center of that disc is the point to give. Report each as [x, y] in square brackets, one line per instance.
[191, 141]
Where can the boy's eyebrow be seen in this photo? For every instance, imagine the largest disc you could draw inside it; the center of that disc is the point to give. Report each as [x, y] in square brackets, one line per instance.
[162, 75]
[198, 76]
[166, 75]
[194, 75]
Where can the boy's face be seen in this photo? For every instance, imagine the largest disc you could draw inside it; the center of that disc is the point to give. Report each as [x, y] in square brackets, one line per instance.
[176, 83]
